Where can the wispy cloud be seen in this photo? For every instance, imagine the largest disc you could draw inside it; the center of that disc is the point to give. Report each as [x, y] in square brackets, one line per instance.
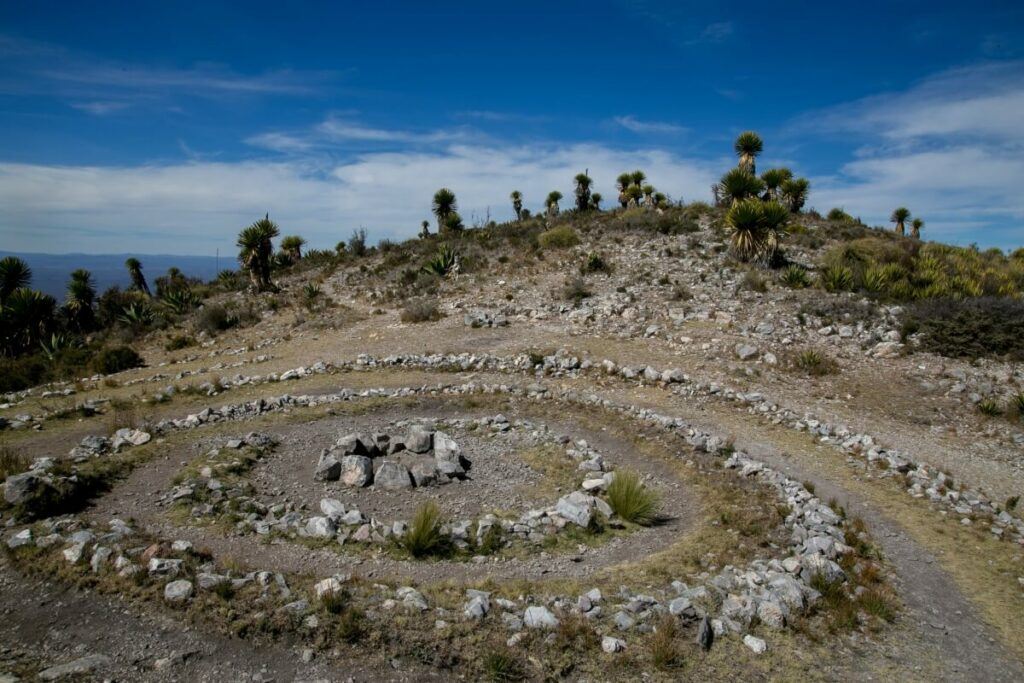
[717, 32]
[635, 125]
[101, 108]
[279, 142]
[344, 129]
[203, 79]
[500, 116]
[201, 205]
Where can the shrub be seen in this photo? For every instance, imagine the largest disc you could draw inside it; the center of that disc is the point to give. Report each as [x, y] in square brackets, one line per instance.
[23, 372]
[178, 342]
[795, 276]
[975, 328]
[335, 602]
[561, 237]
[424, 536]
[351, 625]
[215, 318]
[664, 649]
[575, 290]
[595, 263]
[754, 282]
[631, 501]
[838, 214]
[420, 311]
[116, 359]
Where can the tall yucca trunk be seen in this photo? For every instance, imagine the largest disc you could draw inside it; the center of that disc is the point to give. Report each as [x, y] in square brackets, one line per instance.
[900, 229]
[915, 232]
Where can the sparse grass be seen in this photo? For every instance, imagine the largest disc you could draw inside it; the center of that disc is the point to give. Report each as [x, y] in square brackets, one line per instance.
[753, 281]
[424, 537]
[662, 645]
[12, 461]
[502, 665]
[631, 500]
[336, 602]
[178, 342]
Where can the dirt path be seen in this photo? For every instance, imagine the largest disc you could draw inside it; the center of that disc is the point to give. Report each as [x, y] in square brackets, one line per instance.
[46, 625]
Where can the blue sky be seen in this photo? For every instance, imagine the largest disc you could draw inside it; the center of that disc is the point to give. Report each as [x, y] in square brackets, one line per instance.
[165, 127]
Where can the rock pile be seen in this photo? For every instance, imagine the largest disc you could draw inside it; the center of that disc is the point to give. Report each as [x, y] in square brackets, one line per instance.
[421, 457]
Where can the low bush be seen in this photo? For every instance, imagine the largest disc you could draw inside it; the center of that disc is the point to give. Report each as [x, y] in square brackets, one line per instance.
[116, 359]
[420, 311]
[631, 500]
[11, 461]
[178, 342]
[969, 328]
[215, 318]
[561, 237]
[595, 263]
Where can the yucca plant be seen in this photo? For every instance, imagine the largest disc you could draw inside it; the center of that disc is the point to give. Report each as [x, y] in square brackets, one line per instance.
[899, 218]
[915, 228]
[795, 276]
[81, 299]
[747, 146]
[442, 263]
[292, 245]
[631, 500]
[773, 179]
[634, 195]
[637, 177]
[256, 250]
[552, 202]
[836, 278]
[595, 201]
[517, 204]
[583, 182]
[739, 184]
[424, 536]
[14, 274]
[794, 193]
[746, 229]
[622, 183]
[774, 220]
[134, 267]
[26, 318]
[443, 206]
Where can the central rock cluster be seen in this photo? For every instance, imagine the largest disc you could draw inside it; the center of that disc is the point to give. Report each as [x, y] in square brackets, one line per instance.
[420, 457]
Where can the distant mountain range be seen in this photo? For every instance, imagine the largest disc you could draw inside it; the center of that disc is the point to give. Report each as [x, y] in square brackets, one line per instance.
[50, 271]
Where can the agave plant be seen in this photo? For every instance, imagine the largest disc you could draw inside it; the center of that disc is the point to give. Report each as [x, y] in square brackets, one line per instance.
[748, 145]
[517, 203]
[875, 279]
[795, 276]
[311, 291]
[14, 274]
[180, 301]
[444, 205]
[443, 263]
[739, 184]
[583, 183]
[256, 249]
[58, 342]
[139, 284]
[794, 193]
[899, 218]
[136, 315]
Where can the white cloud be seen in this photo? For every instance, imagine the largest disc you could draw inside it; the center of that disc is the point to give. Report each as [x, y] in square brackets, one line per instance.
[717, 32]
[197, 207]
[949, 148]
[341, 129]
[279, 142]
[635, 125]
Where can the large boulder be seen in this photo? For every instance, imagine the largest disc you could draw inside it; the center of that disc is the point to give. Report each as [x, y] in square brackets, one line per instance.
[392, 475]
[23, 488]
[424, 472]
[350, 444]
[356, 470]
[178, 591]
[445, 447]
[328, 468]
[418, 439]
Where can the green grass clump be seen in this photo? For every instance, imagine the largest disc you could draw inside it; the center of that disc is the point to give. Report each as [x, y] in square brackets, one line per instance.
[424, 536]
[814, 363]
[631, 501]
[989, 407]
[561, 237]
